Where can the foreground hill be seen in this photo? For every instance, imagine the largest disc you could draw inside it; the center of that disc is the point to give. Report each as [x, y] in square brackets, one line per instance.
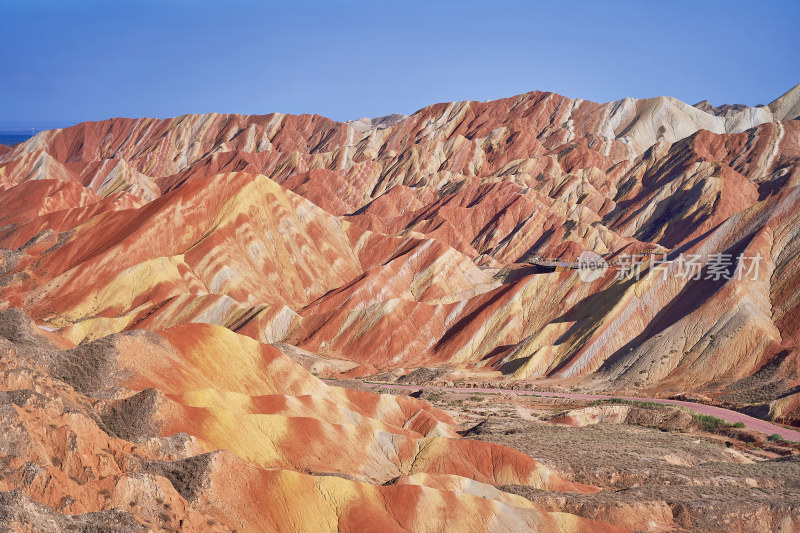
[126, 433]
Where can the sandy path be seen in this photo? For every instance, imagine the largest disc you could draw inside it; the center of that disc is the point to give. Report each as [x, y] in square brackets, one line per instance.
[749, 422]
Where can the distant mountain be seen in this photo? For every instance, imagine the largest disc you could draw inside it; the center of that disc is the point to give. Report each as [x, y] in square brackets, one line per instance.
[721, 111]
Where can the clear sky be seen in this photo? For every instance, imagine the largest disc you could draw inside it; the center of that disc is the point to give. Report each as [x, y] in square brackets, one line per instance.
[68, 61]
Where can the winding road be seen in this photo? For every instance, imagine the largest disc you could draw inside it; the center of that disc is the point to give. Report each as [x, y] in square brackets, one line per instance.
[756, 424]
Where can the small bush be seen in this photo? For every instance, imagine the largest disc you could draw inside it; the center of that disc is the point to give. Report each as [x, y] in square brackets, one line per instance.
[712, 424]
[709, 423]
[775, 437]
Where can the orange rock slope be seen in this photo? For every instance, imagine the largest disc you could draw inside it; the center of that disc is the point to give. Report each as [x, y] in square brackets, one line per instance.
[202, 429]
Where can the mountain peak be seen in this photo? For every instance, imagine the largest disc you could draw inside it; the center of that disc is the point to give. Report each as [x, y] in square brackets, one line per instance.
[787, 106]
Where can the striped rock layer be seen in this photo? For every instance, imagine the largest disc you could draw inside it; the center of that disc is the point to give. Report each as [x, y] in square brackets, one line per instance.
[403, 242]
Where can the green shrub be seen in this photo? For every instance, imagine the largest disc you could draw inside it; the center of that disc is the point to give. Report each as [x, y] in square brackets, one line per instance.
[634, 403]
[738, 425]
[775, 437]
[709, 423]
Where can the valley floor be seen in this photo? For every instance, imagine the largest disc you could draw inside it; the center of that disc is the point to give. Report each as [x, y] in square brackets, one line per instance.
[662, 467]
[728, 415]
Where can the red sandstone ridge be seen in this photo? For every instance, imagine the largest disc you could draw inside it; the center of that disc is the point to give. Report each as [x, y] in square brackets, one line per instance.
[221, 260]
[400, 260]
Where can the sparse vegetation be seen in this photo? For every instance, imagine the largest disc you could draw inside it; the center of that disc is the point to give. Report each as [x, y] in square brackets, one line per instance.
[709, 423]
[433, 396]
[776, 438]
[634, 403]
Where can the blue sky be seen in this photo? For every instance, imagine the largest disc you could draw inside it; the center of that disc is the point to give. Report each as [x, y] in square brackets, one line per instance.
[65, 62]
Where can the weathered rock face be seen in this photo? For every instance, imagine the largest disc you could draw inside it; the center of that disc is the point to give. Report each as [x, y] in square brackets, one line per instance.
[404, 242]
[396, 242]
